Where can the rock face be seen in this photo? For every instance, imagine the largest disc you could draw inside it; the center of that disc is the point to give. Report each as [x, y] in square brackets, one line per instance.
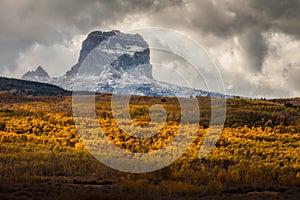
[107, 60]
[93, 39]
[114, 62]
[120, 51]
[39, 75]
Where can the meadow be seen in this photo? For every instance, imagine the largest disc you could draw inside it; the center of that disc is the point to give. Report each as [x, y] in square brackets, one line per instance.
[42, 156]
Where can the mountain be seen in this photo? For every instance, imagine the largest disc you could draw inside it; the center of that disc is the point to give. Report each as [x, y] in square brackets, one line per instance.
[39, 75]
[23, 87]
[116, 62]
[93, 39]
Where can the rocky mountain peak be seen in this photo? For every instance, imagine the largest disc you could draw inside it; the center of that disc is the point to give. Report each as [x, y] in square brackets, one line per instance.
[37, 74]
[114, 62]
[93, 39]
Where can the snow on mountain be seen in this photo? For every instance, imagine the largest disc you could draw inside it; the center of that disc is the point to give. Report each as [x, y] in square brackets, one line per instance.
[39, 75]
[115, 62]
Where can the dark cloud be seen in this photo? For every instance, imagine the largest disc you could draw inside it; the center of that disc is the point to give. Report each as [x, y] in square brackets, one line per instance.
[217, 22]
[255, 48]
[48, 22]
[253, 18]
[247, 20]
[8, 55]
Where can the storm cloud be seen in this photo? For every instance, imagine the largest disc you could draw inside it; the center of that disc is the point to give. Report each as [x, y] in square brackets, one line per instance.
[49, 22]
[255, 43]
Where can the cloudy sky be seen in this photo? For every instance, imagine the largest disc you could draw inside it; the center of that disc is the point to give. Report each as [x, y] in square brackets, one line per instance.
[255, 43]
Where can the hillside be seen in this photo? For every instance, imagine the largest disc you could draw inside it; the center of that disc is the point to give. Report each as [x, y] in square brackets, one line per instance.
[18, 87]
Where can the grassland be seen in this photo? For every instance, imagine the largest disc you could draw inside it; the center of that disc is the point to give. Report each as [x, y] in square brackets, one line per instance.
[42, 156]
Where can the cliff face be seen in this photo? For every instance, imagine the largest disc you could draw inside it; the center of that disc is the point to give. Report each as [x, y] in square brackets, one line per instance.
[109, 60]
[114, 62]
[93, 39]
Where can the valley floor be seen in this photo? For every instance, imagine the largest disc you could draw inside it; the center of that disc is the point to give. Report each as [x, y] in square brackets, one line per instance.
[42, 156]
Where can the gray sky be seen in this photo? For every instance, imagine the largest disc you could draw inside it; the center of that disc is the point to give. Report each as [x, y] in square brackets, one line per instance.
[255, 43]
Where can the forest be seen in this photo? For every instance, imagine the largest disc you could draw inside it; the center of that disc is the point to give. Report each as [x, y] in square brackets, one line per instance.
[42, 156]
